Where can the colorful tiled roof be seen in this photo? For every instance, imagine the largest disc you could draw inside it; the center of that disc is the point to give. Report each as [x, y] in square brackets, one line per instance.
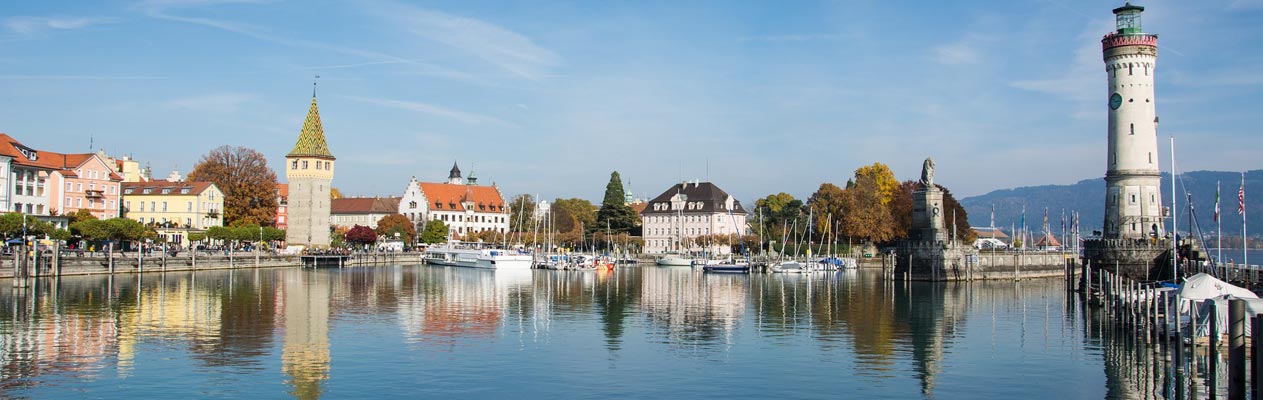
[311, 141]
[448, 197]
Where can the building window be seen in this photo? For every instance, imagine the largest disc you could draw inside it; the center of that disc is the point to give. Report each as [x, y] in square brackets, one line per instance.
[304, 164]
[1133, 129]
[78, 202]
[294, 165]
[190, 206]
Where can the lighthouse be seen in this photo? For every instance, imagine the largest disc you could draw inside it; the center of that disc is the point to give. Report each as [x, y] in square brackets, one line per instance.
[1133, 203]
[1133, 238]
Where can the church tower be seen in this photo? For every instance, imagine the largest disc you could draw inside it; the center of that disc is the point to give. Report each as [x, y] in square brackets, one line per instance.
[309, 171]
[1133, 203]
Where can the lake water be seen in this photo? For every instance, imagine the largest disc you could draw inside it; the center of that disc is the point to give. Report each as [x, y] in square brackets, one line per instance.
[639, 332]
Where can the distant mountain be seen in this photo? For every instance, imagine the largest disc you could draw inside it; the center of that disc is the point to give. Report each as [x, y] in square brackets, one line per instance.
[1088, 198]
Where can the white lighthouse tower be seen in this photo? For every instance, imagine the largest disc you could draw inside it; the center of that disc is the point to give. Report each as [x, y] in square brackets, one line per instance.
[1133, 239]
[1133, 203]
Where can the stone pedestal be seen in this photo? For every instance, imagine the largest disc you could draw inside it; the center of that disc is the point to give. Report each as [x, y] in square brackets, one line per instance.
[927, 216]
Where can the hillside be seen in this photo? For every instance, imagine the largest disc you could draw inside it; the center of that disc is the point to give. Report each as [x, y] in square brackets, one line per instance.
[1088, 198]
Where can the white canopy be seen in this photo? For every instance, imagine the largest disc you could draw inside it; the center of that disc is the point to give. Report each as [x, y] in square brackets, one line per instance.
[1253, 306]
[1203, 286]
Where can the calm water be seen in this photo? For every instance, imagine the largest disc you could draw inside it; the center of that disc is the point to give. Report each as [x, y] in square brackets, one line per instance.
[640, 332]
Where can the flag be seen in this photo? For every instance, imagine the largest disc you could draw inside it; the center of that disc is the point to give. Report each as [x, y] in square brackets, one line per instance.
[1045, 219]
[1216, 201]
[1241, 197]
[993, 215]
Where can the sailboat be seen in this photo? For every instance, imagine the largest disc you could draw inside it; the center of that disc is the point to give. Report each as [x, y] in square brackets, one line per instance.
[732, 266]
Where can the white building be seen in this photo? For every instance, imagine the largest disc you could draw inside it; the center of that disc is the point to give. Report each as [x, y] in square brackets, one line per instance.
[24, 174]
[465, 207]
[689, 210]
[348, 212]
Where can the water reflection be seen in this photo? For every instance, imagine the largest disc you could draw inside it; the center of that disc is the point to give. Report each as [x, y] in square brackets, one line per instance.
[898, 339]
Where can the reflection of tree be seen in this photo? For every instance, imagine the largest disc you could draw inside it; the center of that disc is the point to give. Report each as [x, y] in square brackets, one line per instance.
[616, 296]
[247, 319]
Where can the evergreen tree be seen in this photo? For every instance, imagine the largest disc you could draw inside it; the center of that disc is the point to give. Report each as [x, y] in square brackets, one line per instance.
[614, 209]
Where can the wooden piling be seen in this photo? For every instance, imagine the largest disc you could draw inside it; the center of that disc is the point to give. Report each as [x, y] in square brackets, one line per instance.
[1236, 349]
[1256, 348]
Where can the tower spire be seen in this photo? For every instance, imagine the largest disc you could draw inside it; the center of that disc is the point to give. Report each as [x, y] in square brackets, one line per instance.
[313, 86]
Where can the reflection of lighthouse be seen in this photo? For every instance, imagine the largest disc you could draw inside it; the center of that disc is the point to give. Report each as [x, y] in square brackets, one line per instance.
[305, 355]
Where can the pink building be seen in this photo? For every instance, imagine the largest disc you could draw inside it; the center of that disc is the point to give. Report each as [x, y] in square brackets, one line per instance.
[83, 182]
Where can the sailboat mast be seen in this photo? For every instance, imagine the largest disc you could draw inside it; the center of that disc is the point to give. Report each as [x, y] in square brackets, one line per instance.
[1175, 242]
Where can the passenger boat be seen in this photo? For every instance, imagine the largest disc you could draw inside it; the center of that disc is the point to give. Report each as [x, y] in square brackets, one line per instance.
[457, 255]
[674, 260]
[788, 267]
[727, 268]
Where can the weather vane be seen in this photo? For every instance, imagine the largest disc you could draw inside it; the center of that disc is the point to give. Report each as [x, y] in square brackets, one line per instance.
[313, 86]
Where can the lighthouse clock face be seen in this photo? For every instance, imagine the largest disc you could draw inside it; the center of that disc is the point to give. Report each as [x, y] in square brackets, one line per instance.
[1116, 100]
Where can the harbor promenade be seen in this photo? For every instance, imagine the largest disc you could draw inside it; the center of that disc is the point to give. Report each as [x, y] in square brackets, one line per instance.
[68, 264]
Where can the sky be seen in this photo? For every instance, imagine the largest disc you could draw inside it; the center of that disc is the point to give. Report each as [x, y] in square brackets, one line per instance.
[549, 97]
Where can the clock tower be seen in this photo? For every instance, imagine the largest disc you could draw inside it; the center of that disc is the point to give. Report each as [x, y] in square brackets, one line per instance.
[1133, 203]
[309, 170]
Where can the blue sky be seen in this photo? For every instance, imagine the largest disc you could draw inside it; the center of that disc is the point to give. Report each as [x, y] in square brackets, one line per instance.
[548, 97]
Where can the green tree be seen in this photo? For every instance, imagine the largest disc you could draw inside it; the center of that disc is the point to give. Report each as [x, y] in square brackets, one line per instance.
[614, 212]
[435, 232]
[393, 224]
[573, 213]
[522, 213]
[779, 212]
[249, 185]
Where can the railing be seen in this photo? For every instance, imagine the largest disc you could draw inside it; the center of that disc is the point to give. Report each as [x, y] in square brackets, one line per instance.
[94, 194]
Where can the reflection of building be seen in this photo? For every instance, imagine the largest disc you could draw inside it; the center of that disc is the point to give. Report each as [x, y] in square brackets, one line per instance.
[349, 212]
[472, 303]
[462, 204]
[694, 308]
[688, 210]
[174, 207]
[282, 205]
[305, 354]
[309, 171]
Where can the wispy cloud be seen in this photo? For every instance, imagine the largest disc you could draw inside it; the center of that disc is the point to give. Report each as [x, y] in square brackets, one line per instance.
[440, 111]
[26, 25]
[805, 37]
[224, 103]
[501, 47]
[80, 77]
[164, 9]
[1238, 5]
[955, 54]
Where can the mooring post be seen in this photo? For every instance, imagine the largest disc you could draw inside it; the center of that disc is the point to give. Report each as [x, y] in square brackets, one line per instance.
[1236, 349]
[1212, 311]
[1256, 348]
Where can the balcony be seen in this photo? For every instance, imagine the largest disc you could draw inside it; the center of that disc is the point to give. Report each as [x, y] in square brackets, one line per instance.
[94, 194]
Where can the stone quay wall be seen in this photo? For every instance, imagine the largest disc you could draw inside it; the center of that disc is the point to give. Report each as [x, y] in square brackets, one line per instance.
[128, 263]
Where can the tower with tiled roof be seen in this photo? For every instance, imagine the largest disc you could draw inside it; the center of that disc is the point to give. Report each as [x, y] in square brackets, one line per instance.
[309, 170]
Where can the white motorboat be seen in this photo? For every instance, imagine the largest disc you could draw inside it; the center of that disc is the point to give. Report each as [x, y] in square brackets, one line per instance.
[674, 260]
[476, 257]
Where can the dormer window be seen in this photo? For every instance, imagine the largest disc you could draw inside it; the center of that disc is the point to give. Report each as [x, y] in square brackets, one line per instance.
[147, 191]
[166, 191]
[184, 191]
[438, 205]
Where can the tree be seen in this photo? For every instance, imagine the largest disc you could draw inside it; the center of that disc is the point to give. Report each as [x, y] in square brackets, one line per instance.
[360, 234]
[778, 211]
[883, 180]
[522, 213]
[901, 212]
[11, 226]
[435, 232]
[391, 224]
[865, 216]
[248, 184]
[582, 211]
[614, 212]
[829, 203]
[334, 193]
[80, 215]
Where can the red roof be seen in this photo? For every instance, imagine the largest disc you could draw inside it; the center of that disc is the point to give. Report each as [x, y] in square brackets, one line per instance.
[449, 197]
[364, 205]
[1047, 241]
[282, 191]
[46, 159]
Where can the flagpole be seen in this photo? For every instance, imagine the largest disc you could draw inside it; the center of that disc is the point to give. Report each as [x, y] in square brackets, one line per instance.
[1175, 242]
[1219, 224]
[1245, 239]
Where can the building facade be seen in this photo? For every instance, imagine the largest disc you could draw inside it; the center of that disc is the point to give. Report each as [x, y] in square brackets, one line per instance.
[464, 206]
[174, 208]
[687, 211]
[85, 182]
[364, 211]
[309, 172]
[282, 205]
[24, 174]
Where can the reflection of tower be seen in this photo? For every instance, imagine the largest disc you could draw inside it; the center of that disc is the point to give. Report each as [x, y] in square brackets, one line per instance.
[1133, 201]
[1133, 204]
[305, 355]
[309, 170]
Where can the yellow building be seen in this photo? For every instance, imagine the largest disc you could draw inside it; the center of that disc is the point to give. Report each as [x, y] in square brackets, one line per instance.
[174, 208]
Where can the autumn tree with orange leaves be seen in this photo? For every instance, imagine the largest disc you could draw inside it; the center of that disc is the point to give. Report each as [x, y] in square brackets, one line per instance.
[249, 185]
